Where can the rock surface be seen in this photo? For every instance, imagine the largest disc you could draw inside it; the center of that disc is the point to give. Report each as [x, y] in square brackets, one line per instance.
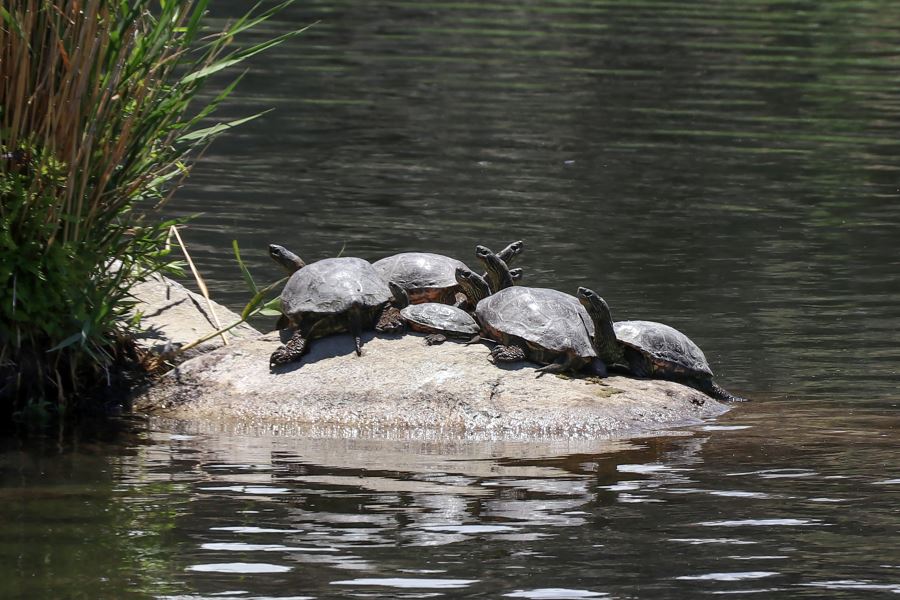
[401, 385]
[172, 316]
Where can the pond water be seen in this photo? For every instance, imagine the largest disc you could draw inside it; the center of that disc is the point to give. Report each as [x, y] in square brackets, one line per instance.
[727, 167]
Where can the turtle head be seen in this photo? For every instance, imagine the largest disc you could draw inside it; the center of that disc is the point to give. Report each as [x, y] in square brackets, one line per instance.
[483, 252]
[592, 301]
[401, 298]
[474, 286]
[289, 261]
[515, 248]
[516, 273]
[608, 348]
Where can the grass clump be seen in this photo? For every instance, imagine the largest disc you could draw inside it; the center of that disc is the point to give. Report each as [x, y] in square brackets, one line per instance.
[98, 124]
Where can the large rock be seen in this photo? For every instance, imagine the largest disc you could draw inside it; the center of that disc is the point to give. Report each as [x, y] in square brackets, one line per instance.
[401, 386]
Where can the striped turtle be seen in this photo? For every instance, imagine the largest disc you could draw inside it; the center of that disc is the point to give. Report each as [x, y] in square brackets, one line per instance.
[651, 349]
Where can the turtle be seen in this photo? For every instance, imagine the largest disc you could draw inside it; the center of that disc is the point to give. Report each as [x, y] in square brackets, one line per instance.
[651, 349]
[331, 296]
[289, 261]
[439, 321]
[498, 275]
[426, 277]
[542, 325]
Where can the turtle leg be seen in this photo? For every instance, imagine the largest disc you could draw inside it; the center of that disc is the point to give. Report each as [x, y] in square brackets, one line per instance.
[638, 364]
[435, 338]
[389, 320]
[598, 368]
[564, 363]
[295, 348]
[507, 353]
[714, 390]
[355, 323]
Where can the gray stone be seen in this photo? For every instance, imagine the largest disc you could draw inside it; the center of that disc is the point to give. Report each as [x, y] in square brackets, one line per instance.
[172, 316]
[401, 385]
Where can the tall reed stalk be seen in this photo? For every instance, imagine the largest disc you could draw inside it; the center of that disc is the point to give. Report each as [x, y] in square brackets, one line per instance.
[98, 124]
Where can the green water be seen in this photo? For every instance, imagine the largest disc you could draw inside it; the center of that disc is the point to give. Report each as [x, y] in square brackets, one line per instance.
[727, 167]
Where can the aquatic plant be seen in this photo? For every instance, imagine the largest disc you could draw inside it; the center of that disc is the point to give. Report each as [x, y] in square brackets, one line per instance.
[100, 119]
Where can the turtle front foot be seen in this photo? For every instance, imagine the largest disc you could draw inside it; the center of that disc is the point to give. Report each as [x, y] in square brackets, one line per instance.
[434, 339]
[389, 321]
[292, 351]
[502, 353]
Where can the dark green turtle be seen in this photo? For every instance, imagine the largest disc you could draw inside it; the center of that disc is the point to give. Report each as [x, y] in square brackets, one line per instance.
[651, 349]
[333, 295]
[287, 259]
[426, 277]
[541, 325]
[439, 321]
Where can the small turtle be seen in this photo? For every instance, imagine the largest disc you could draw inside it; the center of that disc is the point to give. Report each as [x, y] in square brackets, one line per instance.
[333, 295]
[498, 275]
[439, 321]
[426, 277]
[651, 349]
[541, 325]
[289, 261]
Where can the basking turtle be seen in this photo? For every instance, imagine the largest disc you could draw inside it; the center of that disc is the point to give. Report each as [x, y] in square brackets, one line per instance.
[498, 276]
[651, 349]
[426, 277]
[440, 321]
[541, 325]
[287, 259]
[331, 296]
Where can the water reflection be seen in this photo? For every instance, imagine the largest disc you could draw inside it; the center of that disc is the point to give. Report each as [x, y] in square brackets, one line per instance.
[202, 511]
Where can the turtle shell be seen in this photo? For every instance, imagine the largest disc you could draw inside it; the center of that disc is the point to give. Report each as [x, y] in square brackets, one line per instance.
[548, 321]
[671, 351]
[332, 286]
[426, 277]
[432, 317]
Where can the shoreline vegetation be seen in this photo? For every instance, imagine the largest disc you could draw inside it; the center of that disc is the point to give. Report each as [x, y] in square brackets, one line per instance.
[100, 120]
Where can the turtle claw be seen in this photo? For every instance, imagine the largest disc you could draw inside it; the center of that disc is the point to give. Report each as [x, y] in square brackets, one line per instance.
[502, 353]
[434, 339]
[389, 321]
[292, 351]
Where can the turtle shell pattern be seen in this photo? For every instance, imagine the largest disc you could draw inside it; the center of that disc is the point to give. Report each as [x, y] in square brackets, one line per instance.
[332, 286]
[426, 277]
[548, 321]
[432, 317]
[669, 349]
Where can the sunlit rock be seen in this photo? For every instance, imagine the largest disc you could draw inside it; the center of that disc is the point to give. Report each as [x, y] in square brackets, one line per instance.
[400, 384]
